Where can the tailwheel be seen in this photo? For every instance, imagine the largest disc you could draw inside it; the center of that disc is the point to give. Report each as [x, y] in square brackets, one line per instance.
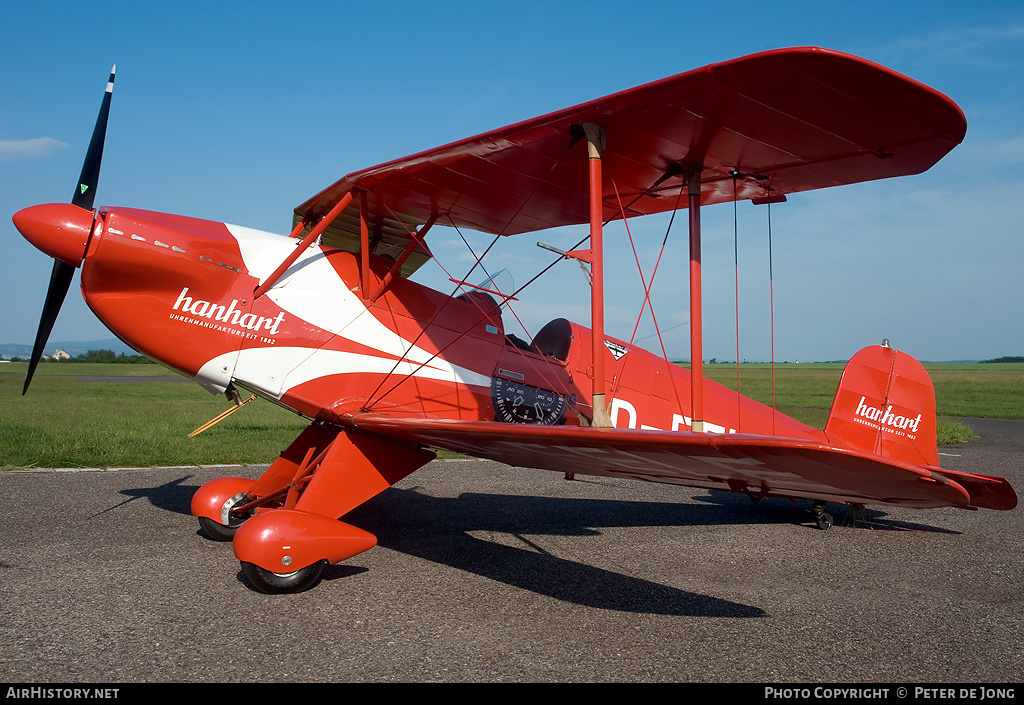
[283, 583]
[823, 518]
[858, 516]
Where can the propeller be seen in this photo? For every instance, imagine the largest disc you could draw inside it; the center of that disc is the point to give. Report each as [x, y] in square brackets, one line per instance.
[58, 231]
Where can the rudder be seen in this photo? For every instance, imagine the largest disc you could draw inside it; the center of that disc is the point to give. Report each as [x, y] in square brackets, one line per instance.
[885, 404]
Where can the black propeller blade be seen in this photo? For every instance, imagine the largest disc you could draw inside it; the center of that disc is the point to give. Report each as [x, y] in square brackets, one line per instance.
[60, 281]
[90, 176]
[85, 192]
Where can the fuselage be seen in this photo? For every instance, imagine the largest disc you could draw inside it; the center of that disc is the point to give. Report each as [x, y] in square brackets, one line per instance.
[180, 290]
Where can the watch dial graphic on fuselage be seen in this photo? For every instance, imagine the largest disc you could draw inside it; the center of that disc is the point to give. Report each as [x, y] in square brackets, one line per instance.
[515, 402]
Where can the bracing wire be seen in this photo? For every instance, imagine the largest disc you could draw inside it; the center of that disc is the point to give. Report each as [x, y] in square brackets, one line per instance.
[771, 303]
[423, 330]
[648, 284]
[372, 399]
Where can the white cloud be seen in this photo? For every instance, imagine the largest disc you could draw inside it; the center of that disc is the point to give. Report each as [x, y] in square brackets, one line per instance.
[35, 148]
[1008, 151]
[973, 46]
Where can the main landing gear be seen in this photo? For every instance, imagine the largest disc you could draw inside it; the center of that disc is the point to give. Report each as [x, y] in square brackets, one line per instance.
[283, 526]
[281, 549]
[259, 578]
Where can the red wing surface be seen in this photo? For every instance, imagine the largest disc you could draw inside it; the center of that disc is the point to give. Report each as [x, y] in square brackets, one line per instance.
[755, 464]
[785, 121]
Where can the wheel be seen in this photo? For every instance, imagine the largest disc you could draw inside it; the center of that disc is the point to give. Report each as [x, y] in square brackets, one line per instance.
[224, 532]
[824, 520]
[215, 531]
[282, 583]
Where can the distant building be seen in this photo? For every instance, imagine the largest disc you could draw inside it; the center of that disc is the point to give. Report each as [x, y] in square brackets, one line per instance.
[61, 355]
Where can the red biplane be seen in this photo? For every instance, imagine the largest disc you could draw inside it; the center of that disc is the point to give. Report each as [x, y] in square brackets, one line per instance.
[327, 323]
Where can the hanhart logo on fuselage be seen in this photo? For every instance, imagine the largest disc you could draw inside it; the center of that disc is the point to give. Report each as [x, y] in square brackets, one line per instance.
[208, 314]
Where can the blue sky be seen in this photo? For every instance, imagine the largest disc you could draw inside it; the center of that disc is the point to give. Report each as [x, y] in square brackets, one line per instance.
[240, 111]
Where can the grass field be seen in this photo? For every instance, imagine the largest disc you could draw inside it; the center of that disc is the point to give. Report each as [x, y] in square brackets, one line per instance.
[66, 422]
[804, 391]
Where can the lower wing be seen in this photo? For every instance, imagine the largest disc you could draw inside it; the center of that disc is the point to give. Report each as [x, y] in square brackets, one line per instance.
[758, 465]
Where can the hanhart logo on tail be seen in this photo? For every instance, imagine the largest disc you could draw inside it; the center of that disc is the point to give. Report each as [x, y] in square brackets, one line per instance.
[884, 418]
[226, 318]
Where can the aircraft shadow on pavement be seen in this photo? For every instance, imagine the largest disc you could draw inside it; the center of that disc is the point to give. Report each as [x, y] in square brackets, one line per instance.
[447, 531]
[780, 510]
[442, 530]
[173, 496]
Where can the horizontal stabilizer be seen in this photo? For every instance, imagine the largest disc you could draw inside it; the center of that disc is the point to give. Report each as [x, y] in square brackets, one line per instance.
[987, 491]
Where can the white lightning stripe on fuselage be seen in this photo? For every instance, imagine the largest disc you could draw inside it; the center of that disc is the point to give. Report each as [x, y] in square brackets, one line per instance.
[305, 368]
[312, 290]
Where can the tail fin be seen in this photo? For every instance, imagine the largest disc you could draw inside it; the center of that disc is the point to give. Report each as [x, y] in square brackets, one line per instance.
[885, 404]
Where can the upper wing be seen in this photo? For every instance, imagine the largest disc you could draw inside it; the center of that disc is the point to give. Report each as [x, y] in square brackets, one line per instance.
[759, 465]
[784, 121]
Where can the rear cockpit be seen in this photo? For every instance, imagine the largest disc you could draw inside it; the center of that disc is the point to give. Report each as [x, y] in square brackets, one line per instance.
[552, 341]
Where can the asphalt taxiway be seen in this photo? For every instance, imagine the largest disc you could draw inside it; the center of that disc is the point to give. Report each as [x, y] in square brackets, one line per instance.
[496, 574]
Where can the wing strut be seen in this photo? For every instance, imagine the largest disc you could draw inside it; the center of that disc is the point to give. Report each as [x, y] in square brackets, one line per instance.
[301, 247]
[696, 320]
[415, 240]
[364, 245]
[595, 256]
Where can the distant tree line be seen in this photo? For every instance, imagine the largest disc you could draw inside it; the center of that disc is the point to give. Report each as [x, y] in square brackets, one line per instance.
[1012, 358]
[109, 356]
[96, 356]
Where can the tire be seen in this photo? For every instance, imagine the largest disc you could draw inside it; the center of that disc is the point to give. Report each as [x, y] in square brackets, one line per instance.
[283, 583]
[215, 531]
